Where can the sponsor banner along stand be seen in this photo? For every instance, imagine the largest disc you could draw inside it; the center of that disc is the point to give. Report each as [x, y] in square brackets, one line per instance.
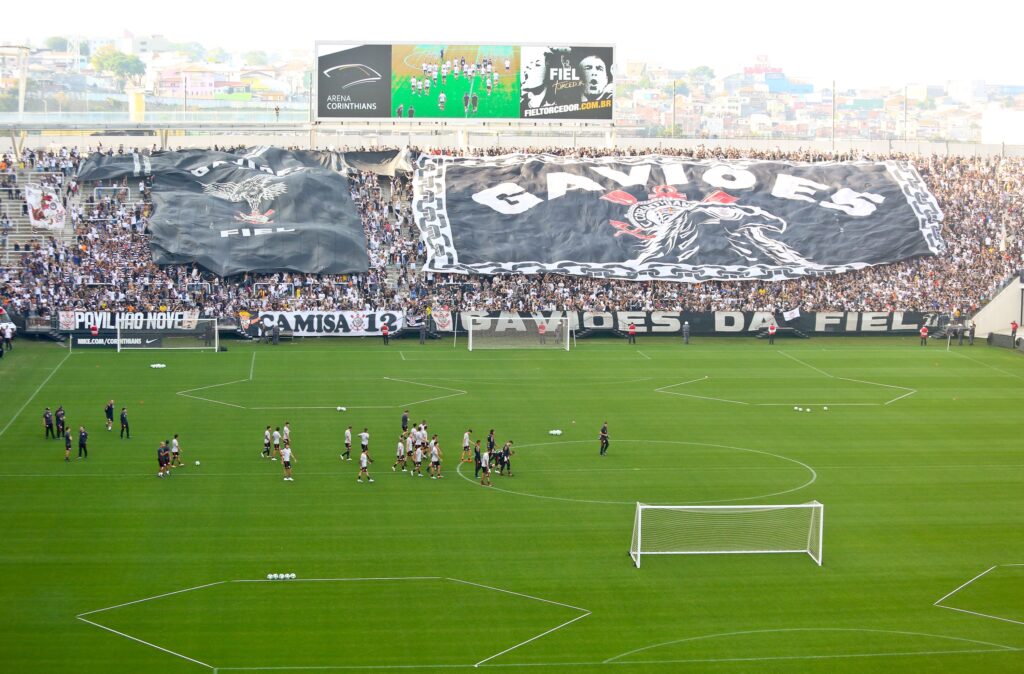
[326, 323]
[108, 321]
[718, 323]
[86, 340]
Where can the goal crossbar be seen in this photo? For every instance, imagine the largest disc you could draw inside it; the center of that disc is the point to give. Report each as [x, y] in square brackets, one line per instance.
[742, 529]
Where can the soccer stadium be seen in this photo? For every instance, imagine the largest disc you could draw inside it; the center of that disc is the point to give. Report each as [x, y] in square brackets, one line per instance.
[426, 399]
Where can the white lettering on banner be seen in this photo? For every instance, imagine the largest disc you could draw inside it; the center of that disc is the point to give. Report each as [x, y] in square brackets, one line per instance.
[254, 231]
[333, 323]
[129, 320]
[858, 204]
[824, 319]
[675, 174]
[898, 324]
[797, 189]
[560, 183]
[729, 321]
[851, 321]
[507, 199]
[598, 320]
[638, 175]
[638, 318]
[761, 319]
[664, 321]
[729, 177]
[874, 321]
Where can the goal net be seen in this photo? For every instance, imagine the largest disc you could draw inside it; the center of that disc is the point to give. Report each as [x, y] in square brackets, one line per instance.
[516, 332]
[195, 333]
[703, 530]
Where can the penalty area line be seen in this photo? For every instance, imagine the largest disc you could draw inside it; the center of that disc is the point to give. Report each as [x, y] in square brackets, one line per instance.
[146, 643]
[34, 394]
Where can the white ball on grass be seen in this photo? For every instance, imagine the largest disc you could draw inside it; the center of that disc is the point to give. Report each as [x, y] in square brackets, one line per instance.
[197, 463]
[291, 576]
[339, 408]
[270, 576]
[825, 408]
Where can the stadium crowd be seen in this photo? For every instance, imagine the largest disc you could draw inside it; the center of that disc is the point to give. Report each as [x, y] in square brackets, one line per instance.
[108, 264]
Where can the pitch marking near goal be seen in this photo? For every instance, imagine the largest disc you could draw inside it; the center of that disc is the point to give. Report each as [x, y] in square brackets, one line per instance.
[583, 614]
[991, 367]
[617, 658]
[812, 480]
[910, 391]
[34, 394]
[982, 615]
[644, 355]
[188, 393]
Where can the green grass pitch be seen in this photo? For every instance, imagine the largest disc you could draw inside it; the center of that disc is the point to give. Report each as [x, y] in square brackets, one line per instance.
[502, 103]
[919, 461]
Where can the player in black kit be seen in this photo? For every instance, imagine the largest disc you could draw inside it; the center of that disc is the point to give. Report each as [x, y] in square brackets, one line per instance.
[48, 425]
[125, 431]
[108, 411]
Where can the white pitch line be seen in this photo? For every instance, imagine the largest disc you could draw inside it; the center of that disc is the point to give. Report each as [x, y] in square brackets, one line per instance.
[965, 585]
[211, 400]
[518, 594]
[139, 601]
[252, 366]
[419, 383]
[991, 367]
[553, 629]
[821, 404]
[983, 615]
[682, 383]
[909, 393]
[146, 643]
[34, 394]
[402, 354]
[335, 580]
[644, 355]
[203, 388]
[820, 371]
[690, 395]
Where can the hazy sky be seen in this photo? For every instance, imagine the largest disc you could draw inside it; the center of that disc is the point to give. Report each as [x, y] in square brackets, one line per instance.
[860, 43]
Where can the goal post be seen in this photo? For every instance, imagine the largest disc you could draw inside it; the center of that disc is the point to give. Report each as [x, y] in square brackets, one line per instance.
[738, 529]
[518, 332]
[193, 334]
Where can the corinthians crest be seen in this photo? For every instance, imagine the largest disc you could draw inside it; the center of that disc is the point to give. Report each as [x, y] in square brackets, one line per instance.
[670, 228]
[254, 191]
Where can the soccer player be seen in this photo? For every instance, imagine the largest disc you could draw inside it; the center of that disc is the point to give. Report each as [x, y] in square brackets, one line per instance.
[399, 454]
[364, 441]
[364, 466]
[108, 411]
[67, 446]
[277, 443]
[286, 433]
[48, 425]
[476, 459]
[410, 444]
[59, 416]
[435, 458]
[405, 421]
[441, 100]
[465, 102]
[347, 455]
[485, 466]
[465, 445]
[83, 439]
[417, 462]
[287, 456]
[124, 424]
[266, 443]
[506, 458]
[603, 437]
[475, 102]
[175, 452]
[412, 82]
[161, 460]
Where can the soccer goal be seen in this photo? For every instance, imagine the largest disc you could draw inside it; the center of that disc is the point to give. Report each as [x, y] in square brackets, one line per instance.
[707, 530]
[197, 333]
[516, 332]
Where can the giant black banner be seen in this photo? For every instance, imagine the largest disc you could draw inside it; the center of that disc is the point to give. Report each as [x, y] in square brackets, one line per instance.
[232, 220]
[663, 218]
[261, 209]
[272, 160]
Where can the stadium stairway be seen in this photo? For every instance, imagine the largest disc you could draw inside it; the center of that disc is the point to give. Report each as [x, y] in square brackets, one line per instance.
[22, 232]
[783, 332]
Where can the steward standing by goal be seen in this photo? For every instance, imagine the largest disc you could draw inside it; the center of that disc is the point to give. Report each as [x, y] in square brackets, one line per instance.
[384, 333]
[632, 333]
[771, 333]
[542, 333]
[924, 335]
